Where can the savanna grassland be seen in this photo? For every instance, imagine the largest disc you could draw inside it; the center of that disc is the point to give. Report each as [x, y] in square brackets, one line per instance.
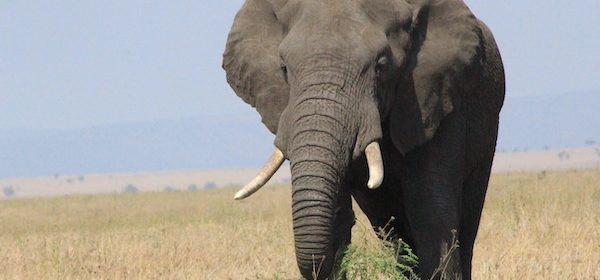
[534, 226]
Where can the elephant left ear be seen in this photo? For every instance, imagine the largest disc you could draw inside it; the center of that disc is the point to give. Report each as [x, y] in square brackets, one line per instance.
[252, 62]
[445, 46]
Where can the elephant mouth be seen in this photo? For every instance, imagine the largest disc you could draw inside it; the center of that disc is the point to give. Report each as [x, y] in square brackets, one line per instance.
[372, 154]
[320, 206]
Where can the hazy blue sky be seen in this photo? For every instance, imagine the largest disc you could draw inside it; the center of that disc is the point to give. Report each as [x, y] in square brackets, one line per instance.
[69, 64]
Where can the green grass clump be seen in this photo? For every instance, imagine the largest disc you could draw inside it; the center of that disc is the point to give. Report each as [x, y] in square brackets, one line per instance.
[376, 259]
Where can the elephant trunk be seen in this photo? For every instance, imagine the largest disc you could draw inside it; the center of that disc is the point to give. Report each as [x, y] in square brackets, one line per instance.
[320, 151]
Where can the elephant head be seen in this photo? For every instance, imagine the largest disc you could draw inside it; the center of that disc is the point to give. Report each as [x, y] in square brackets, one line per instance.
[333, 78]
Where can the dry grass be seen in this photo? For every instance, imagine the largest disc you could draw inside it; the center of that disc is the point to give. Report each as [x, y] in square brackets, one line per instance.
[535, 226]
[540, 226]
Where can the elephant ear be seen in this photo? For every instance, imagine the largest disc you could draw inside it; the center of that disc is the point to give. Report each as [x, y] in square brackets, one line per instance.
[252, 63]
[445, 44]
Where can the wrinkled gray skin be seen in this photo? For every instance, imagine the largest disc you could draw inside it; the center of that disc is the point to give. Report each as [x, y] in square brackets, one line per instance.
[423, 78]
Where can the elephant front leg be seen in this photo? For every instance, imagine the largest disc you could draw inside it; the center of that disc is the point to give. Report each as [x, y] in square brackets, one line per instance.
[434, 224]
[382, 206]
[379, 207]
[432, 186]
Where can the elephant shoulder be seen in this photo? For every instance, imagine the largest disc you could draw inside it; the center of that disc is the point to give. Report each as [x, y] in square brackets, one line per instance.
[492, 78]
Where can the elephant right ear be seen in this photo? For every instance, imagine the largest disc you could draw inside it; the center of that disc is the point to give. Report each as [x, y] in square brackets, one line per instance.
[445, 52]
[252, 62]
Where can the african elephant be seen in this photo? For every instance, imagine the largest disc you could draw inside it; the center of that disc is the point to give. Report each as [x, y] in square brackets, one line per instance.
[357, 89]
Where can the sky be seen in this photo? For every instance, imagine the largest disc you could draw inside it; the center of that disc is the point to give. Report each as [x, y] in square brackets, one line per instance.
[74, 64]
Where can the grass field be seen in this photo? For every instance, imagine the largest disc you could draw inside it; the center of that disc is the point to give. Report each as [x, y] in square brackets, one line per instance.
[534, 226]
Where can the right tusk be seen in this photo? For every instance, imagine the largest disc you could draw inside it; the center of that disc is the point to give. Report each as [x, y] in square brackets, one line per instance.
[263, 176]
[375, 163]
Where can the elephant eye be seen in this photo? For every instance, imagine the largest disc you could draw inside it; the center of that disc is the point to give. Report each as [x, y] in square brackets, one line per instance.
[284, 71]
[382, 60]
[382, 63]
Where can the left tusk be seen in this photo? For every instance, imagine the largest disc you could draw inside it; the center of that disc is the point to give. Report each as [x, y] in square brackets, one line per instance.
[375, 163]
[263, 177]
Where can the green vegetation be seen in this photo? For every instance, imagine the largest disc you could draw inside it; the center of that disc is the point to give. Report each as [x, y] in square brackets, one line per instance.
[379, 259]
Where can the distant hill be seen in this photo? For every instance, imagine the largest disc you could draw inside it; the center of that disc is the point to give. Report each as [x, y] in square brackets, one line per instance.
[204, 142]
[534, 122]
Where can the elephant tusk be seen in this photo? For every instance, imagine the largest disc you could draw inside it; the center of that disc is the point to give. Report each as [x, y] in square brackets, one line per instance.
[263, 176]
[375, 163]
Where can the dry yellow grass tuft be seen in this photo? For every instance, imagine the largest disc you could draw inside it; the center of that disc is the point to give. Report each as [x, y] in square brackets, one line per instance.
[534, 226]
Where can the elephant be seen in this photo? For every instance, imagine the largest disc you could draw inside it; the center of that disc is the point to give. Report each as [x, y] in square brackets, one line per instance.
[394, 103]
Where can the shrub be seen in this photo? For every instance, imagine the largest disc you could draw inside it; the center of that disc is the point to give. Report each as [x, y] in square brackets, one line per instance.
[379, 259]
[210, 186]
[8, 191]
[564, 155]
[192, 188]
[130, 188]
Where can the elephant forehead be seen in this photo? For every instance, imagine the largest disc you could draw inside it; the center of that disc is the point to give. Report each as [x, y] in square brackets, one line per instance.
[389, 14]
[340, 27]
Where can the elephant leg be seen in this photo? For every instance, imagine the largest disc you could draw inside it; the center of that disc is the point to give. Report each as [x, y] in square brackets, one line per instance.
[432, 186]
[380, 205]
[474, 190]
